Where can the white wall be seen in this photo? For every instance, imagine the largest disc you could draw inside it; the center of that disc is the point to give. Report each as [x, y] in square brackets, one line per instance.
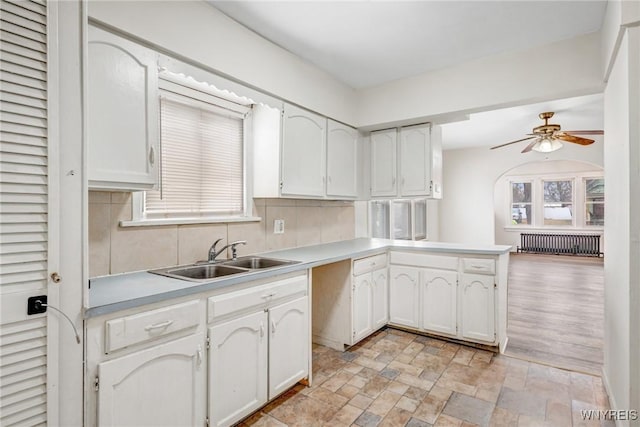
[622, 173]
[467, 208]
[502, 200]
[508, 79]
[196, 31]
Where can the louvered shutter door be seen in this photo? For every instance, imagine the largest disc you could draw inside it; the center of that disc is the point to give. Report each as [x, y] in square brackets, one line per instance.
[23, 210]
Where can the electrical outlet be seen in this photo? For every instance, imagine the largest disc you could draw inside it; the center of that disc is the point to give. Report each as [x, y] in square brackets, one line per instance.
[34, 305]
[278, 226]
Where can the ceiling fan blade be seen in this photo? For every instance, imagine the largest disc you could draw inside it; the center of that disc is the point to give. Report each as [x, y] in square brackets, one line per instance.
[574, 139]
[512, 142]
[529, 147]
[584, 132]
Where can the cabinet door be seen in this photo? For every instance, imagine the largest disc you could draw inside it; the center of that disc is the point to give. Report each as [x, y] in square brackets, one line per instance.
[237, 368]
[403, 296]
[383, 163]
[380, 298]
[362, 303]
[436, 163]
[477, 302]
[303, 152]
[162, 386]
[122, 113]
[439, 301]
[342, 163]
[289, 344]
[415, 160]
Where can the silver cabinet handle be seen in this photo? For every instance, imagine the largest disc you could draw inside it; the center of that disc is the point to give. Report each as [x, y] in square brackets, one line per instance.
[273, 326]
[265, 296]
[158, 325]
[261, 329]
[393, 180]
[199, 355]
[152, 155]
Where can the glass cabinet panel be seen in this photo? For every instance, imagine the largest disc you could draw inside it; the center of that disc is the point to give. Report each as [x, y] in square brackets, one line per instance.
[402, 219]
[380, 219]
[420, 218]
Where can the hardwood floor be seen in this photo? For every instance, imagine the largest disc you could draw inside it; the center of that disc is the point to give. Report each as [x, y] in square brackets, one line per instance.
[556, 311]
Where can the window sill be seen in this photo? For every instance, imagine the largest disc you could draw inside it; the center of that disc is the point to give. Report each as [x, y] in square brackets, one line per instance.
[154, 222]
[555, 229]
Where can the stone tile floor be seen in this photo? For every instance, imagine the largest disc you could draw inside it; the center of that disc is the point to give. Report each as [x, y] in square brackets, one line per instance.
[395, 378]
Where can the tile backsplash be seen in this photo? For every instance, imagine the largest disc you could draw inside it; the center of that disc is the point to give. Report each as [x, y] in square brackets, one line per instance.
[114, 249]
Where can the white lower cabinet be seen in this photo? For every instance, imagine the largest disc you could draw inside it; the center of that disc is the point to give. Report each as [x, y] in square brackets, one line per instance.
[369, 298]
[444, 295]
[162, 386]
[404, 296]
[370, 303]
[439, 299]
[477, 306]
[362, 306]
[380, 312]
[288, 345]
[237, 368]
[258, 347]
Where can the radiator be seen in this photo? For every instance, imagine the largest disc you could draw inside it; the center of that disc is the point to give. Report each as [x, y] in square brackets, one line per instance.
[570, 244]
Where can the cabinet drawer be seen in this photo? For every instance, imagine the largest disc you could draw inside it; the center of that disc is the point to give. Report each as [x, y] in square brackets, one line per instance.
[149, 325]
[222, 305]
[479, 266]
[365, 265]
[415, 259]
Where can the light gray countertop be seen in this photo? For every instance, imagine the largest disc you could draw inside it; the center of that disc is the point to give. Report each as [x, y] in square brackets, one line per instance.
[108, 294]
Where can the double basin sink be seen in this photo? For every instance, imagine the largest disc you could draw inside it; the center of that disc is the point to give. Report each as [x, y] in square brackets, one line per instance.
[202, 271]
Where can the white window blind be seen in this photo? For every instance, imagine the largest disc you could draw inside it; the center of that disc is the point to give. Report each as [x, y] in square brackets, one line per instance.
[202, 164]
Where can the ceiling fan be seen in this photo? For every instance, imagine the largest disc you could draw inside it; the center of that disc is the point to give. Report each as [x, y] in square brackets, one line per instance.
[546, 137]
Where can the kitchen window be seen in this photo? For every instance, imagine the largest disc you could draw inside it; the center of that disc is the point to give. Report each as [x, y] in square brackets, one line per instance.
[555, 201]
[203, 156]
[558, 202]
[594, 201]
[521, 203]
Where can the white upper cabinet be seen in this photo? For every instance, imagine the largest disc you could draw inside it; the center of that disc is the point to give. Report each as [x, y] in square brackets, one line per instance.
[342, 162]
[384, 163]
[415, 165]
[122, 113]
[300, 154]
[410, 167]
[303, 152]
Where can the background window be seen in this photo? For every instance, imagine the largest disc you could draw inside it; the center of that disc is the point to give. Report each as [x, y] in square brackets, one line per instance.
[521, 211]
[202, 164]
[594, 201]
[558, 202]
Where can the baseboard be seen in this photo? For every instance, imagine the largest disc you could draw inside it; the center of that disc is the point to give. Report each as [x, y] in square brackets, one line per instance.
[336, 345]
[503, 345]
[612, 400]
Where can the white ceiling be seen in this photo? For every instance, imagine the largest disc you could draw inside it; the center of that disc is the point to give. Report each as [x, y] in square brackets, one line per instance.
[497, 127]
[366, 43]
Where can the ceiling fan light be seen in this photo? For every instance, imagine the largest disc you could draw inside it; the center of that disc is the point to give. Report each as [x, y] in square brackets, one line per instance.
[547, 145]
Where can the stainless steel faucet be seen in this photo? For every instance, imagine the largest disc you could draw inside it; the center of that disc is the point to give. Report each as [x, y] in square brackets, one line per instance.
[213, 254]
